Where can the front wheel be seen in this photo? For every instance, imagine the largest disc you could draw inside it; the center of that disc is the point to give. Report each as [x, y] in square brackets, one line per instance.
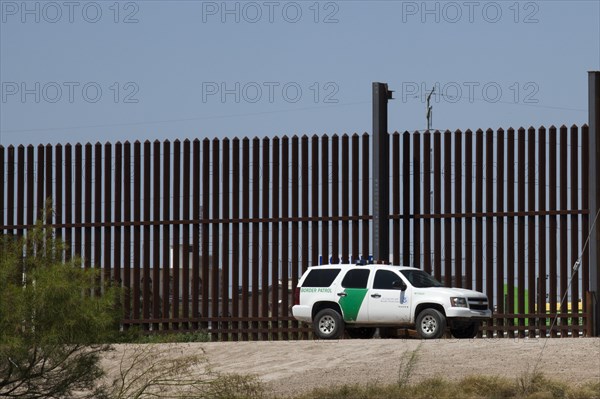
[328, 324]
[431, 324]
[466, 331]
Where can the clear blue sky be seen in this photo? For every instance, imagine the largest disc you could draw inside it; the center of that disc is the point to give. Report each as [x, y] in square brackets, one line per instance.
[108, 71]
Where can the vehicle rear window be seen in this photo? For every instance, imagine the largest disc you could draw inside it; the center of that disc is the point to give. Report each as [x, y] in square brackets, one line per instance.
[356, 279]
[320, 277]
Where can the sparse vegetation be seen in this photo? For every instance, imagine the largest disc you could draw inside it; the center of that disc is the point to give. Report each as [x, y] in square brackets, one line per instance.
[473, 387]
[153, 371]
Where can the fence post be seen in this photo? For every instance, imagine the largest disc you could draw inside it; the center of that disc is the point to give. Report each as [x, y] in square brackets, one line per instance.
[381, 181]
[594, 193]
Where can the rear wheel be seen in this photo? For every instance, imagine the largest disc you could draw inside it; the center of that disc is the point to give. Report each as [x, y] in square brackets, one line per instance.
[466, 331]
[361, 332]
[328, 324]
[431, 324]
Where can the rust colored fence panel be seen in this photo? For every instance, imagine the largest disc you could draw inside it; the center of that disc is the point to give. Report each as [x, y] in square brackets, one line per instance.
[215, 234]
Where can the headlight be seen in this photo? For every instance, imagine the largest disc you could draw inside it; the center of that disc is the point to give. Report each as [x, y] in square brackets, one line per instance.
[459, 302]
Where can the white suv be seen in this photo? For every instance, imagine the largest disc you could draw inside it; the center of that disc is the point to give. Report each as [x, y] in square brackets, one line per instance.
[362, 298]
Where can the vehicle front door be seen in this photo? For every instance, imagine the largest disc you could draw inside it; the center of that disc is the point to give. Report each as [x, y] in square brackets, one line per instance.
[387, 303]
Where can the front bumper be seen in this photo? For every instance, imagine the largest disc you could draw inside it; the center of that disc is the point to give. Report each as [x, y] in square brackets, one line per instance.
[465, 313]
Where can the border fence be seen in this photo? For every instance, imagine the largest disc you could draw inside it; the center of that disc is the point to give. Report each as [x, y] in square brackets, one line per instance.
[214, 234]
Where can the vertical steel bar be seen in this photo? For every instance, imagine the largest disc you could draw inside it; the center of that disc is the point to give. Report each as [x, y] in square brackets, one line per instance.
[118, 216]
[285, 186]
[552, 244]
[531, 250]
[542, 188]
[107, 219]
[594, 192]
[345, 199]
[68, 199]
[225, 242]
[48, 189]
[479, 210]
[185, 254]
[521, 231]
[2, 195]
[275, 247]
[437, 205]
[447, 208]
[255, 234]
[39, 176]
[500, 264]
[469, 209]
[127, 231]
[325, 199]
[245, 234]
[355, 197]
[176, 249]
[79, 173]
[235, 253]
[264, 273]
[406, 238]
[564, 273]
[305, 215]
[97, 243]
[489, 221]
[30, 185]
[585, 224]
[146, 243]
[156, 258]
[167, 288]
[366, 194]
[295, 244]
[396, 196]
[574, 229]
[186, 280]
[10, 189]
[335, 199]
[89, 179]
[510, 230]
[196, 238]
[217, 240]
[417, 200]
[427, 201]
[458, 266]
[204, 283]
[58, 195]
[315, 193]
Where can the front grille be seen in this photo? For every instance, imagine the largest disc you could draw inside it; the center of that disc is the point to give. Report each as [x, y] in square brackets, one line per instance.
[478, 303]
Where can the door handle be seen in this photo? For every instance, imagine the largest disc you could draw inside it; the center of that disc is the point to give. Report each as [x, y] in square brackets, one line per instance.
[376, 296]
[342, 294]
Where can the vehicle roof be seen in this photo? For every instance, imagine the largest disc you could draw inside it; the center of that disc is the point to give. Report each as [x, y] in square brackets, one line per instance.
[373, 265]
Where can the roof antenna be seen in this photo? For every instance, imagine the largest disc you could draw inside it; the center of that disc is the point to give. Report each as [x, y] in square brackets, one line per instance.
[429, 109]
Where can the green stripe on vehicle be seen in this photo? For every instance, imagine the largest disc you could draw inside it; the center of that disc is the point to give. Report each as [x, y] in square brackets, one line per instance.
[352, 302]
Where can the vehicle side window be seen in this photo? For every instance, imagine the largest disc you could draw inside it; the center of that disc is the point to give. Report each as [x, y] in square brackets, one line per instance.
[356, 279]
[320, 277]
[384, 280]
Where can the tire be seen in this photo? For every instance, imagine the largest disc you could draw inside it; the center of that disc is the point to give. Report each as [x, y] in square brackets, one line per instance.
[328, 324]
[466, 331]
[431, 324]
[361, 332]
[388, 332]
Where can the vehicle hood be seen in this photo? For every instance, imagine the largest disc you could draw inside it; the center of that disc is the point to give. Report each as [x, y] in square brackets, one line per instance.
[462, 292]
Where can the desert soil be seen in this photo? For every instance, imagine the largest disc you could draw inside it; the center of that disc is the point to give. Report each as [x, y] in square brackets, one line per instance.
[290, 367]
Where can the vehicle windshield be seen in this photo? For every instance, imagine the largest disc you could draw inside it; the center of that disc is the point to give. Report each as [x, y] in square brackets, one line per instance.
[420, 279]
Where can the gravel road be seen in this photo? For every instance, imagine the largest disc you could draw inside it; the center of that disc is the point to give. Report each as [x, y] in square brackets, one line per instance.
[288, 367]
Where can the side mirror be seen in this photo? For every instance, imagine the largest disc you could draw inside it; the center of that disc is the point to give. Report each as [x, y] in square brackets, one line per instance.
[400, 285]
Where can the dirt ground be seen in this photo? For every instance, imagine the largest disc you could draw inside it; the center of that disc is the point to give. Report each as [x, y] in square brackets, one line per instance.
[288, 367]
